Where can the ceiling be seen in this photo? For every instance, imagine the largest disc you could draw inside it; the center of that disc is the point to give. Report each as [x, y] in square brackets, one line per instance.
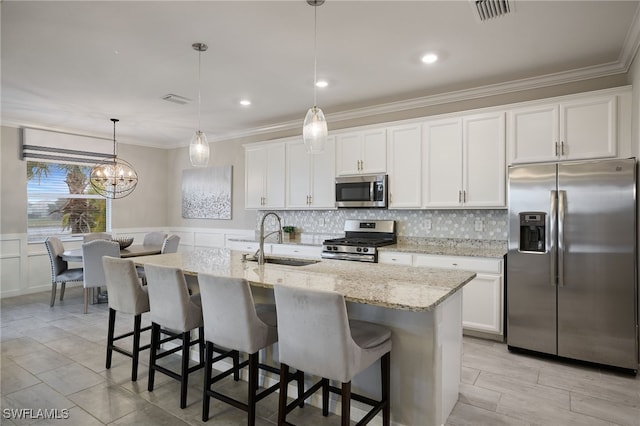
[71, 66]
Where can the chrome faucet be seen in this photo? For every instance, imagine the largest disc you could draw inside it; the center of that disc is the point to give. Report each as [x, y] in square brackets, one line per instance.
[259, 256]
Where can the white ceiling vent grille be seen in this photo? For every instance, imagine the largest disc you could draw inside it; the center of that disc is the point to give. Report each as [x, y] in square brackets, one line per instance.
[176, 99]
[489, 9]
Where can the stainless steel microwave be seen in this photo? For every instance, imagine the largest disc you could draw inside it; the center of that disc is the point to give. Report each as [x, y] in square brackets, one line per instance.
[364, 191]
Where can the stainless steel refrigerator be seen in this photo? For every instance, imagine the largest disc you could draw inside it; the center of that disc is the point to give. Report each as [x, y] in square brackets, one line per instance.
[571, 265]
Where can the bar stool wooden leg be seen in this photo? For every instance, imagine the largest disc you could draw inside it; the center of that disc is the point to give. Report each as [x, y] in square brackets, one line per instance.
[346, 404]
[282, 401]
[253, 388]
[62, 287]
[385, 366]
[325, 397]
[110, 332]
[184, 373]
[135, 353]
[206, 399]
[155, 344]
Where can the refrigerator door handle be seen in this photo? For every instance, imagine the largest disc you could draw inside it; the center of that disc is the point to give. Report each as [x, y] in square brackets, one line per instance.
[552, 237]
[562, 209]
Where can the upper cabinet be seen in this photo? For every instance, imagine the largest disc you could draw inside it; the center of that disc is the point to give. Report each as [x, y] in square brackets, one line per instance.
[265, 176]
[404, 166]
[362, 152]
[463, 161]
[583, 127]
[310, 182]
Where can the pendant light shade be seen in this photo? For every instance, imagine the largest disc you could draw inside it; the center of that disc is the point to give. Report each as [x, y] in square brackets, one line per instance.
[314, 131]
[199, 150]
[314, 128]
[114, 177]
[199, 146]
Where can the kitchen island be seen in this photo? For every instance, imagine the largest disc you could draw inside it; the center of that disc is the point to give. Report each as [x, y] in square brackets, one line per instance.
[422, 307]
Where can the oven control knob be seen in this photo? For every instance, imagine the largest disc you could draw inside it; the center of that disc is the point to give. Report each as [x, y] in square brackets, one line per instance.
[329, 248]
[359, 249]
[365, 249]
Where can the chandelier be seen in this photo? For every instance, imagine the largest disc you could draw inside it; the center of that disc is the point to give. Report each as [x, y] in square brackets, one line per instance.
[113, 178]
[314, 129]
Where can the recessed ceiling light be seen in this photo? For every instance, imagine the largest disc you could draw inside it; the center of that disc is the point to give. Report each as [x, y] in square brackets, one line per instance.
[245, 102]
[321, 83]
[429, 58]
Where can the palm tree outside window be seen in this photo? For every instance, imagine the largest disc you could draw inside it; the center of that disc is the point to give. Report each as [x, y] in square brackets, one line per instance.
[61, 202]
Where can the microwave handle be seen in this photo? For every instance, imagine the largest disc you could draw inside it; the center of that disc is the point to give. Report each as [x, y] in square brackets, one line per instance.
[372, 190]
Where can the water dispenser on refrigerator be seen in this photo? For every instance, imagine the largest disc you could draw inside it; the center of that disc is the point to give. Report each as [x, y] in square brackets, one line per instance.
[532, 232]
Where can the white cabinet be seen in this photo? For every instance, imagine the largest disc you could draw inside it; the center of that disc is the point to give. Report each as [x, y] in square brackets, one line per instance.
[362, 152]
[482, 298]
[247, 246]
[265, 176]
[404, 166]
[395, 258]
[583, 127]
[310, 182]
[463, 160]
[297, 250]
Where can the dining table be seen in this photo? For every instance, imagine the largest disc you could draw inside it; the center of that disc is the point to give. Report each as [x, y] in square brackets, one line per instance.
[75, 255]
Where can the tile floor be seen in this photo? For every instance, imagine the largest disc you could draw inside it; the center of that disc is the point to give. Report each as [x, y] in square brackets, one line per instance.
[53, 358]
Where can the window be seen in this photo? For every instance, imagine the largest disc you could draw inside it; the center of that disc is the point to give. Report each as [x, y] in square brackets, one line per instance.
[61, 201]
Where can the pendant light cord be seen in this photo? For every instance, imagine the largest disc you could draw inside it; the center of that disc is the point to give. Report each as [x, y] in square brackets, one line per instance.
[315, 53]
[199, 59]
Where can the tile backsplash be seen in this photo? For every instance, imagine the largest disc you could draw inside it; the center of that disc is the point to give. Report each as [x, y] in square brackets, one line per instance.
[456, 224]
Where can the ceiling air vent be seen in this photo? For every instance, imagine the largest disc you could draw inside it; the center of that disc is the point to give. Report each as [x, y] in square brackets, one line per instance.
[176, 99]
[488, 9]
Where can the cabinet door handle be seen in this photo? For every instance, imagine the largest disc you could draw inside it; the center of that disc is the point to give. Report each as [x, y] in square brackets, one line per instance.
[459, 196]
[556, 148]
[464, 196]
[562, 147]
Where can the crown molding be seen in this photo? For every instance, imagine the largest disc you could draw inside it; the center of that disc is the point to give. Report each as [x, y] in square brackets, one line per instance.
[587, 73]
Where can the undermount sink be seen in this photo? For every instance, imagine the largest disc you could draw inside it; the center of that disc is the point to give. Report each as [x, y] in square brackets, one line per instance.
[287, 261]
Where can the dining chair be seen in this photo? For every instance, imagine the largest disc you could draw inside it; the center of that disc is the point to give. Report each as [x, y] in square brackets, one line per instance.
[60, 271]
[97, 236]
[169, 245]
[316, 336]
[92, 253]
[154, 239]
[126, 296]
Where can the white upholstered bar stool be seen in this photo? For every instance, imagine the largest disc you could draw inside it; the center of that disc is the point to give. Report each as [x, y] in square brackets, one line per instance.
[92, 253]
[233, 320]
[316, 336]
[126, 296]
[174, 313]
[60, 271]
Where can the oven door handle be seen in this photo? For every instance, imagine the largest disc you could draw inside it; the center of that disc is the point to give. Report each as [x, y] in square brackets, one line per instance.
[349, 256]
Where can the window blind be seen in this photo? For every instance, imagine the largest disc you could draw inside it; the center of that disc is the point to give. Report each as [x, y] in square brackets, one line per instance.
[47, 145]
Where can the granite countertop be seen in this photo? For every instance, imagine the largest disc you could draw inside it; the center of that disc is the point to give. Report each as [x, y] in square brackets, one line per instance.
[419, 245]
[390, 286]
[449, 247]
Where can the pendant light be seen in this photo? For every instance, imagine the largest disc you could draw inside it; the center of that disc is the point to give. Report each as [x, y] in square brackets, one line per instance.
[114, 177]
[199, 147]
[314, 129]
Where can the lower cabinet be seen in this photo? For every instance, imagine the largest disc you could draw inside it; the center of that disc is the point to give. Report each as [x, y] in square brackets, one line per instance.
[482, 298]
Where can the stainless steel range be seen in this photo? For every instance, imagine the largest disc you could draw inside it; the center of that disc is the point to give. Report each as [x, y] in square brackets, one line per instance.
[361, 240]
